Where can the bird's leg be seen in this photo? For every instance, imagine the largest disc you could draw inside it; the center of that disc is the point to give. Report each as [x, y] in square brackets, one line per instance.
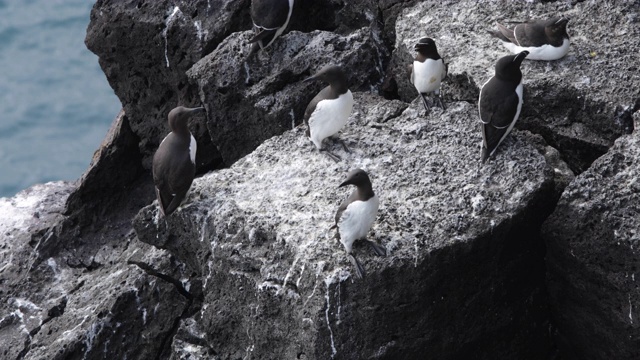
[377, 248]
[359, 269]
[344, 144]
[427, 108]
[333, 156]
[440, 100]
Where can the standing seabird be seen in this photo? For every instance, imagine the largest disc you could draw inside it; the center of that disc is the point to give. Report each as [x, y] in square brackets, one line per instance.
[174, 163]
[500, 102]
[270, 18]
[328, 111]
[356, 215]
[543, 39]
[428, 70]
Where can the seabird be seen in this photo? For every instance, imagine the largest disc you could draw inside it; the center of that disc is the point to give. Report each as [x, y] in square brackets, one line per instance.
[174, 163]
[328, 111]
[500, 102]
[356, 215]
[270, 18]
[543, 39]
[428, 70]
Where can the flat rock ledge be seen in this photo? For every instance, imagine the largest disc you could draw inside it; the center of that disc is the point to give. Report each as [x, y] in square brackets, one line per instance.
[580, 104]
[464, 276]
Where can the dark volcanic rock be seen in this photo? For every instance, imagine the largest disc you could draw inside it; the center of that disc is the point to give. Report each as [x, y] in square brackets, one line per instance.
[464, 274]
[70, 307]
[248, 103]
[145, 48]
[593, 242]
[580, 104]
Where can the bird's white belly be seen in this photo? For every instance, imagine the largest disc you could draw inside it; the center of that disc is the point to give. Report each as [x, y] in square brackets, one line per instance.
[356, 221]
[428, 75]
[193, 147]
[329, 117]
[544, 52]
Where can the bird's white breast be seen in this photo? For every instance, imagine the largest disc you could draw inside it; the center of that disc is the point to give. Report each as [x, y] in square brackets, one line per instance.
[428, 75]
[356, 221]
[544, 52]
[193, 147]
[329, 117]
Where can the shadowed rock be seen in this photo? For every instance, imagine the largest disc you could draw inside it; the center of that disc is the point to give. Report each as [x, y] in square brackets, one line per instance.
[593, 242]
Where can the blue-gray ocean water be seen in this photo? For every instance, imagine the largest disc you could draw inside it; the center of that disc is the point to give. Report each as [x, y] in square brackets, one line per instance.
[55, 103]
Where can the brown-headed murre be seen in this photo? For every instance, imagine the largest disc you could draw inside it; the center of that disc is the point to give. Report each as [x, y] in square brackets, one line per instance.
[328, 111]
[356, 215]
[270, 18]
[428, 70]
[174, 163]
[500, 102]
[543, 39]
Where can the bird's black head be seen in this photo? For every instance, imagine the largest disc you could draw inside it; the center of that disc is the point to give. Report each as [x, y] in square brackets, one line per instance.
[427, 48]
[179, 116]
[357, 177]
[508, 67]
[332, 74]
[555, 27]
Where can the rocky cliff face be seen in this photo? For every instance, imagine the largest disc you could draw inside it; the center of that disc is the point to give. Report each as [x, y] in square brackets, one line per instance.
[249, 268]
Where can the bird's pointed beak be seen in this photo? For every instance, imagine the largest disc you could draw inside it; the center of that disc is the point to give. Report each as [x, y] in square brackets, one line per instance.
[345, 183]
[196, 110]
[310, 78]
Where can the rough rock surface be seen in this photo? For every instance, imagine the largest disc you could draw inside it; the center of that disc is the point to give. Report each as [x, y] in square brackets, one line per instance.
[593, 242]
[249, 102]
[124, 301]
[276, 285]
[145, 48]
[580, 104]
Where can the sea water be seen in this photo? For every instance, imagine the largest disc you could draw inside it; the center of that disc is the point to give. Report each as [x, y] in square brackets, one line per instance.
[55, 103]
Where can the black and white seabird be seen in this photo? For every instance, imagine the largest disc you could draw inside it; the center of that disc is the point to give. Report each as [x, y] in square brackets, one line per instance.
[328, 111]
[174, 163]
[356, 215]
[428, 70]
[543, 39]
[270, 18]
[500, 102]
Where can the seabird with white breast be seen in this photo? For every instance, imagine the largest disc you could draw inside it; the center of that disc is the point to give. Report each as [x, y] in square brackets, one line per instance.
[543, 39]
[428, 70]
[356, 216]
[174, 163]
[500, 102]
[329, 111]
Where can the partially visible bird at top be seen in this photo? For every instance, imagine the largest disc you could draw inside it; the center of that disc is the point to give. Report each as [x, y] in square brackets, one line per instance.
[174, 163]
[329, 111]
[428, 70]
[356, 216]
[500, 102]
[270, 18]
[543, 39]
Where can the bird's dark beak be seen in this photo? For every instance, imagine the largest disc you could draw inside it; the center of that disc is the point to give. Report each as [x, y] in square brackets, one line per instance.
[345, 183]
[311, 78]
[520, 57]
[196, 110]
[562, 21]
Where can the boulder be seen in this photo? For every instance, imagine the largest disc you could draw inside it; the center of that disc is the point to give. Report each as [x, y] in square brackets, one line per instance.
[580, 104]
[250, 101]
[145, 48]
[464, 275]
[593, 242]
[125, 301]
